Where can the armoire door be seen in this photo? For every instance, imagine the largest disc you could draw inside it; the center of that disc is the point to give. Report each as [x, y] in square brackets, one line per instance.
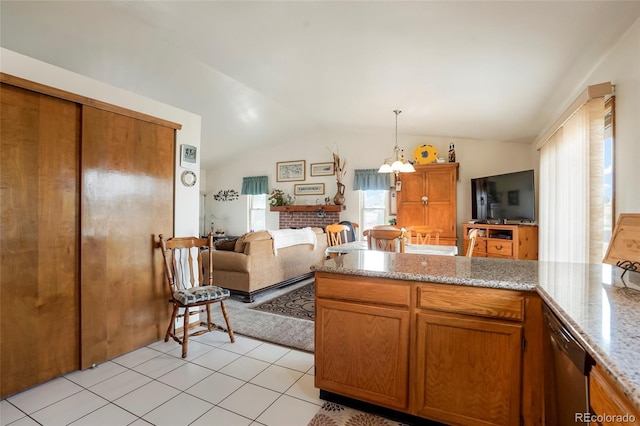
[39, 297]
[127, 175]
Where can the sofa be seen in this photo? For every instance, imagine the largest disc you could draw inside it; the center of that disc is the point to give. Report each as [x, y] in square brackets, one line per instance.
[255, 262]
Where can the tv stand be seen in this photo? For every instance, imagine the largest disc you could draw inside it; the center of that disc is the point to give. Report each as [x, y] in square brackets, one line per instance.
[504, 241]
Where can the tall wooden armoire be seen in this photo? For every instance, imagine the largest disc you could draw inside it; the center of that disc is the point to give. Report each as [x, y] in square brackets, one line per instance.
[428, 197]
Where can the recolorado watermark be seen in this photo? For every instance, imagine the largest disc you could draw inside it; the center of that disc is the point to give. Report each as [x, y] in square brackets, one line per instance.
[604, 418]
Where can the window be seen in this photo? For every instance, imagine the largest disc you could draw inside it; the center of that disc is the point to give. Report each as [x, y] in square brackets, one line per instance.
[373, 211]
[609, 133]
[257, 212]
[576, 184]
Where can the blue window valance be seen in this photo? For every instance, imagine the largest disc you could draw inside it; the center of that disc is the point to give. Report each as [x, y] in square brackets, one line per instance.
[370, 180]
[255, 185]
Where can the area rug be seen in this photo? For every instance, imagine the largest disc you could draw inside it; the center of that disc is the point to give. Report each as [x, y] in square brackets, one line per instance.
[332, 414]
[283, 330]
[299, 303]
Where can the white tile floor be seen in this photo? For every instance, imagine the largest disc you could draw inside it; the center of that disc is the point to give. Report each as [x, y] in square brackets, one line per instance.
[248, 382]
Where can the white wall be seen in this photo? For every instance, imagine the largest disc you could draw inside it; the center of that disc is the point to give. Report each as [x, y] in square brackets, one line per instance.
[186, 199]
[622, 67]
[361, 150]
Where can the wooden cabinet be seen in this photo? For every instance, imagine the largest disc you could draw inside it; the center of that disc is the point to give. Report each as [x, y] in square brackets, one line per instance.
[428, 197]
[84, 190]
[362, 340]
[608, 403]
[504, 241]
[466, 344]
[458, 355]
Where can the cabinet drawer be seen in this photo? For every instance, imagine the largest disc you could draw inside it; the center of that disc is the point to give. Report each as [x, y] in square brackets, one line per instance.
[500, 247]
[484, 302]
[370, 291]
[480, 246]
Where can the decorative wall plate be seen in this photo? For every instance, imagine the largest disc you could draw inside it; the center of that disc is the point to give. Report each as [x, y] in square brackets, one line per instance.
[425, 154]
[188, 178]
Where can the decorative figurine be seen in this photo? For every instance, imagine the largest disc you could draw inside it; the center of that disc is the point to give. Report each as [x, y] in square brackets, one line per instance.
[452, 153]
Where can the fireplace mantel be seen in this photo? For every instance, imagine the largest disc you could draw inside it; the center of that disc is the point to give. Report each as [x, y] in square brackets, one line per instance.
[312, 208]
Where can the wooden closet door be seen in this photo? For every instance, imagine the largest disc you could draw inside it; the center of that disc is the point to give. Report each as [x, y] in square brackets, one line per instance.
[39, 299]
[127, 171]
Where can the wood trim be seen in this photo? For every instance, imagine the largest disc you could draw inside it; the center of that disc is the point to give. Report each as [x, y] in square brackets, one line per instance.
[591, 92]
[73, 97]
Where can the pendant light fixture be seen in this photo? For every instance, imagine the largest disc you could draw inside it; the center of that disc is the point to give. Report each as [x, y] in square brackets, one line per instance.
[396, 163]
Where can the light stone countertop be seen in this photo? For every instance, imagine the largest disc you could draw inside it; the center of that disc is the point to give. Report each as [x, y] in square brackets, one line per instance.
[590, 299]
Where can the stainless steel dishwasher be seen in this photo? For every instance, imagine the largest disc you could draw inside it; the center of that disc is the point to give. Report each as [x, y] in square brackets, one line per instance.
[569, 366]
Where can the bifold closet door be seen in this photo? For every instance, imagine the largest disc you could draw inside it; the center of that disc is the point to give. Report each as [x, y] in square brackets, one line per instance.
[39, 297]
[127, 175]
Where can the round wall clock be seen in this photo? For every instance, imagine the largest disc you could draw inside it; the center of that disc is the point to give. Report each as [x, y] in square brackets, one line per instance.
[425, 154]
[188, 178]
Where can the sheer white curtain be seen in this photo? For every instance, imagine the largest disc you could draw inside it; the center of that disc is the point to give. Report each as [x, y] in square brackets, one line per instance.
[571, 212]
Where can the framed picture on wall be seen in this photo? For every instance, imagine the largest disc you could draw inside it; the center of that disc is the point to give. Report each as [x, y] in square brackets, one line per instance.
[322, 169]
[308, 189]
[290, 171]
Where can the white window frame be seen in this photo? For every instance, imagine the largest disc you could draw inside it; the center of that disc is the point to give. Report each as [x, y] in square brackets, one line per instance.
[363, 226]
[252, 210]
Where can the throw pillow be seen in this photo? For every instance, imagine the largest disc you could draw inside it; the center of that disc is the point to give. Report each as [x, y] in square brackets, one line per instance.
[228, 245]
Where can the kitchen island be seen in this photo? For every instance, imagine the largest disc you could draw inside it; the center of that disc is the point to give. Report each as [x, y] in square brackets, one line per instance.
[460, 340]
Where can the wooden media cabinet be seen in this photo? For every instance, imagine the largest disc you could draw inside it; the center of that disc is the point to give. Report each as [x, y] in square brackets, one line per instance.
[503, 241]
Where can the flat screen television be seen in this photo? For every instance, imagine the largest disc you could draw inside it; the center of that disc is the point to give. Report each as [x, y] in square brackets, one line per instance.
[508, 197]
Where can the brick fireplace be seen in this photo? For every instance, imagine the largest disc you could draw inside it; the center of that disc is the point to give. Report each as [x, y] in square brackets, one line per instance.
[303, 216]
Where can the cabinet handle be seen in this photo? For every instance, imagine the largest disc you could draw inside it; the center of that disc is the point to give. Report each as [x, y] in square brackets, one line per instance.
[425, 200]
[498, 247]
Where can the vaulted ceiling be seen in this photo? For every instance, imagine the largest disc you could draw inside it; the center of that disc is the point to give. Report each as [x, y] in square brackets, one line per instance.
[261, 72]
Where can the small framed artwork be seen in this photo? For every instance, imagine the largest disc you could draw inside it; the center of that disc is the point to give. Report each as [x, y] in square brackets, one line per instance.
[290, 171]
[188, 155]
[393, 201]
[322, 169]
[308, 189]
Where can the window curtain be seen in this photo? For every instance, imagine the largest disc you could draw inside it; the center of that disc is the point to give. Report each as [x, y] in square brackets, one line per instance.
[370, 179]
[571, 182]
[255, 185]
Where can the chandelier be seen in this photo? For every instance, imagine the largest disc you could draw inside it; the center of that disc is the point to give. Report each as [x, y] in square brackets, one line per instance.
[396, 163]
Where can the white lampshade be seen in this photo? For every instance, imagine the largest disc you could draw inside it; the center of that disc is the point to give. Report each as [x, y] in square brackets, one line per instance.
[407, 168]
[385, 168]
[396, 166]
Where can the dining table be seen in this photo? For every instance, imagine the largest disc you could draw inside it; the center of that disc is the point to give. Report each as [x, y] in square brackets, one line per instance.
[355, 246]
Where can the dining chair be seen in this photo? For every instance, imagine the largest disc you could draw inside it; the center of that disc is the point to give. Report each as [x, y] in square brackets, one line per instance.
[385, 239]
[337, 234]
[473, 235]
[189, 288]
[423, 234]
[353, 234]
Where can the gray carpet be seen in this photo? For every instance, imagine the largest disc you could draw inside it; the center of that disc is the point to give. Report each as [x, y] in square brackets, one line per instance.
[283, 330]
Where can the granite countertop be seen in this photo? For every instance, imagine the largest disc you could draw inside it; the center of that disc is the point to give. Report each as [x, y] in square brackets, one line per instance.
[590, 299]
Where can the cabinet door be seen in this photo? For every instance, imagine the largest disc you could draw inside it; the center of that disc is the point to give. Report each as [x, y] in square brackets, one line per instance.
[39, 298]
[362, 351]
[467, 369]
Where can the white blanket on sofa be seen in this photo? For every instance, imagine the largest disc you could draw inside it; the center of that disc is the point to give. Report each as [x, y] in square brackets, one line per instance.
[291, 237]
